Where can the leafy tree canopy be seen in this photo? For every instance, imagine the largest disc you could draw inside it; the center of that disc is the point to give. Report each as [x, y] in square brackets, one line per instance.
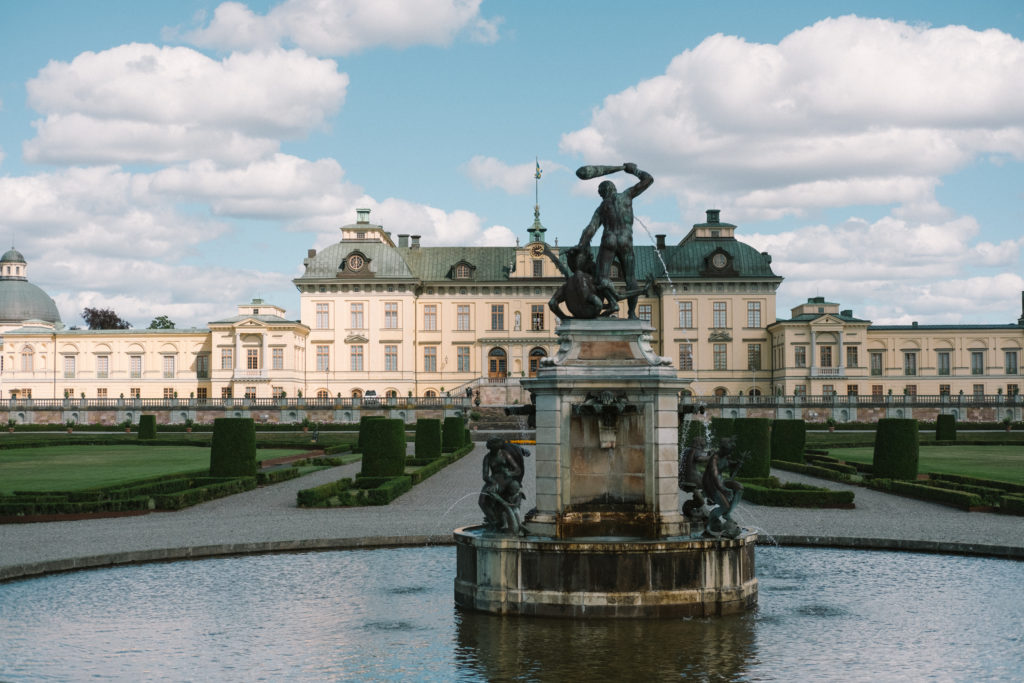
[103, 319]
[161, 322]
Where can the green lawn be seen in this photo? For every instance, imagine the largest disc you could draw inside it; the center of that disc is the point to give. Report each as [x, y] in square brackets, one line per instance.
[1005, 463]
[71, 468]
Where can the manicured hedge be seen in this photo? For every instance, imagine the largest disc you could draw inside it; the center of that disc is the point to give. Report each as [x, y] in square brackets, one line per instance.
[1012, 505]
[959, 499]
[319, 494]
[721, 428]
[693, 430]
[147, 427]
[796, 495]
[383, 448]
[362, 491]
[1008, 486]
[363, 422]
[233, 448]
[788, 440]
[812, 471]
[896, 449]
[753, 435]
[277, 476]
[945, 428]
[194, 496]
[428, 438]
[454, 433]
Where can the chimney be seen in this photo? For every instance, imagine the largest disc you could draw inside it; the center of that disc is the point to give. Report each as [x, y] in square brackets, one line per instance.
[363, 216]
[403, 240]
[848, 313]
[310, 253]
[712, 215]
[660, 240]
[415, 241]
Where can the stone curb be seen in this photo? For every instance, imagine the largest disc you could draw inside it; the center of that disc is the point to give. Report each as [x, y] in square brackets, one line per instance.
[37, 569]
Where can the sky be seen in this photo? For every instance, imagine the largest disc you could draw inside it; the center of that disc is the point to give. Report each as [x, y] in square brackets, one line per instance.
[180, 158]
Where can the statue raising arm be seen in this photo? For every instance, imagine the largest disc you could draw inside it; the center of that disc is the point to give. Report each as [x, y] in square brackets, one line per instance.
[646, 179]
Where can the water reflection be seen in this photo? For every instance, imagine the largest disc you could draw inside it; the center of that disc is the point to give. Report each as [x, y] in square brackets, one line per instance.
[389, 615]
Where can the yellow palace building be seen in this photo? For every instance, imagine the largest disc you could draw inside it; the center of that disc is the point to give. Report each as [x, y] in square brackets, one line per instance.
[397, 319]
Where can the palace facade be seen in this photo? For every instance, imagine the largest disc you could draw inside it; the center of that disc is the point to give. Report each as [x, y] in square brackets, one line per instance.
[402, 319]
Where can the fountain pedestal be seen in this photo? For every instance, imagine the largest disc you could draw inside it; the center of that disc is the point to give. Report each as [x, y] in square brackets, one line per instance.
[606, 537]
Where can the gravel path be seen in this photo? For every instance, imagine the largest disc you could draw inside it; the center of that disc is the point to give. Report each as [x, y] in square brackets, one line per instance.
[268, 519]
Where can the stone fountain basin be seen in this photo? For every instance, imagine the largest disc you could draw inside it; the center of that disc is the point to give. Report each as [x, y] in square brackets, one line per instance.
[604, 576]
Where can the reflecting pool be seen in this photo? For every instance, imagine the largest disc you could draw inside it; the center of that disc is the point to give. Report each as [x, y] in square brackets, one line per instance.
[388, 615]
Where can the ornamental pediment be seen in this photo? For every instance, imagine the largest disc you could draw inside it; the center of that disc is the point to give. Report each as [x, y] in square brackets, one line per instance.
[719, 336]
[356, 339]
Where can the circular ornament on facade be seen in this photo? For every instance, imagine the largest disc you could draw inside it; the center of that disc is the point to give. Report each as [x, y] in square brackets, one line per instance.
[718, 260]
[537, 250]
[356, 262]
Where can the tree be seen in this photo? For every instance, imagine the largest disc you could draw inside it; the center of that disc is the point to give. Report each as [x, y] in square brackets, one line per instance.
[103, 319]
[161, 322]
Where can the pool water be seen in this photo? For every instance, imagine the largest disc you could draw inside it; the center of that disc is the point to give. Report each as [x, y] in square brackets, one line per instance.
[388, 614]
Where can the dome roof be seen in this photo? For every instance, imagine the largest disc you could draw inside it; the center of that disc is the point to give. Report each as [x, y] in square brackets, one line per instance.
[12, 256]
[21, 300]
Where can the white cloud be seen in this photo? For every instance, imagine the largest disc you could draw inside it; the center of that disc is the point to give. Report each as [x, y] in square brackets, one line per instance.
[342, 27]
[893, 270]
[140, 102]
[846, 111]
[490, 172]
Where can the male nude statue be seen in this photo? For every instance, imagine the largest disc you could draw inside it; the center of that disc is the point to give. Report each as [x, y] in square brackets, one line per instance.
[615, 213]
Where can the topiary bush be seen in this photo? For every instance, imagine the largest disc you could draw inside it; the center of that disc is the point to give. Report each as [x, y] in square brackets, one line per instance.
[362, 423]
[896, 449]
[428, 438]
[453, 434]
[147, 426]
[788, 440]
[384, 448]
[233, 447]
[721, 428]
[753, 435]
[945, 428]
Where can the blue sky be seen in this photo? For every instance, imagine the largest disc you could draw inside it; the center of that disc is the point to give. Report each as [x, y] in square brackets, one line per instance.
[179, 158]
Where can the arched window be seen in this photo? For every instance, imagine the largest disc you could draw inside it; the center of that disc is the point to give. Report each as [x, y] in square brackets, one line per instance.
[497, 364]
[357, 393]
[322, 393]
[391, 393]
[462, 272]
[721, 391]
[430, 393]
[26, 359]
[536, 354]
[755, 392]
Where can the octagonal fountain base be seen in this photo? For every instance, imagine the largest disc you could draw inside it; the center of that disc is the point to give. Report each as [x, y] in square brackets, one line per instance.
[604, 577]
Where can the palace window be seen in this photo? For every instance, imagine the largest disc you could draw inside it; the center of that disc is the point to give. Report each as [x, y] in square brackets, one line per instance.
[719, 311]
[800, 356]
[497, 317]
[202, 366]
[851, 389]
[462, 317]
[686, 356]
[1012, 389]
[275, 392]
[390, 357]
[537, 317]
[225, 392]
[134, 392]
[720, 357]
[800, 390]
[825, 353]
[323, 318]
[828, 390]
[429, 359]
[202, 393]
[462, 357]
[686, 314]
[430, 317]
[26, 360]
[101, 392]
[538, 267]
[876, 363]
[462, 271]
[323, 358]
[753, 356]
[977, 363]
[979, 390]
[910, 363]
[536, 355]
[169, 363]
[250, 393]
[168, 392]
[277, 358]
[391, 315]
[227, 359]
[910, 390]
[497, 363]
[102, 367]
[753, 314]
[643, 311]
[252, 359]
[943, 390]
[876, 390]
[356, 315]
[356, 358]
[943, 362]
[851, 356]
[1010, 362]
[69, 366]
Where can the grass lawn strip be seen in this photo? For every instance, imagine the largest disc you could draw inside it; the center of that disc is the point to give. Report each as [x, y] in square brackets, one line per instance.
[73, 468]
[1002, 463]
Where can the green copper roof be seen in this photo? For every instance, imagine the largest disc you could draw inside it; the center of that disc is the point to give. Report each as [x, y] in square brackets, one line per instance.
[383, 261]
[491, 264]
[12, 255]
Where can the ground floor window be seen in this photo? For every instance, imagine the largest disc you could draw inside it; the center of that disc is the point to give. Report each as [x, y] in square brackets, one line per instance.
[1012, 389]
[979, 390]
[250, 392]
[851, 390]
[101, 393]
[168, 392]
[910, 390]
[202, 393]
[943, 390]
[876, 390]
[225, 392]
